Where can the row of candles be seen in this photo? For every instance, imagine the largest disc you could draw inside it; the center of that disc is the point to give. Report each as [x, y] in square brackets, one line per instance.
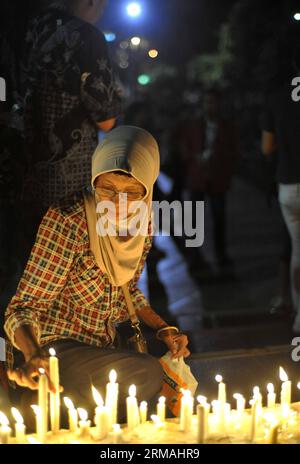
[106, 412]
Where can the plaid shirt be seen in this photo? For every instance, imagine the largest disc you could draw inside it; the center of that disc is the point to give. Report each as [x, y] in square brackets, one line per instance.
[62, 293]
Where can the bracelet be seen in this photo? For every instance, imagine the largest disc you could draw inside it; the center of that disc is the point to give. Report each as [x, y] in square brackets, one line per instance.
[169, 330]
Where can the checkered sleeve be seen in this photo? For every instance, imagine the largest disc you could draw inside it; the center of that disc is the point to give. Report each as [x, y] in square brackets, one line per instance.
[45, 274]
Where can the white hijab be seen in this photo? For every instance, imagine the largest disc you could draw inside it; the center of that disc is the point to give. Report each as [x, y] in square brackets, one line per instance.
[134, 151]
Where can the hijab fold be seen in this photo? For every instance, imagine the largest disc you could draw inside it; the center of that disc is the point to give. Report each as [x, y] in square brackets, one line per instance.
[133, 151]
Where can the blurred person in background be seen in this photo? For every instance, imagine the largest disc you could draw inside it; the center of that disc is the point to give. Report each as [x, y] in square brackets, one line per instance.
[209, 150]
[68, 94]
[280, 126]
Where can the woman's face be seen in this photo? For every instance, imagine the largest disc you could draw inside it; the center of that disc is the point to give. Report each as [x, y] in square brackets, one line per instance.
[108, 188]
[111, 182]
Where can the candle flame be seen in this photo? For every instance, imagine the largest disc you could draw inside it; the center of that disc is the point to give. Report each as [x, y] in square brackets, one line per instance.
[219, 378]
[112, 376]
[155, 419]
[52, 352]
[82, 414]
[201, 399]
[132, 391]
[3, 419]
[298, 385]
[97, 397]
[33, 441]
[162, 400]
[116, 428]
[144, 405]
[68, 403]
[36, 409]
[270, 388]
[283, 375]
[42, 371]
[237, 396]
[17, 416]
[256, 391]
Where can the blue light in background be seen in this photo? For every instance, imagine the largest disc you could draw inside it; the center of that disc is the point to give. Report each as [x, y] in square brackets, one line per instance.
[110, 36]
[134, 9]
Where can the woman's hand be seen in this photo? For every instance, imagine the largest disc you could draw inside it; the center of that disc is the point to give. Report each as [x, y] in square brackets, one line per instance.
[27, 375]
[177, 344]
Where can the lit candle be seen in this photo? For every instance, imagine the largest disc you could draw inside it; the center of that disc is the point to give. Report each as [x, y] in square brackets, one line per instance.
[111, 399]
[286, 389]
[102, 418]
[221, 390]
[254, 418]
[161, 409]
[258, 397]
[43, 404]
[117, 434]
[186, 411]
[202, 419]
[240, 404]
[39, 425]
[19, 426]
[73, 415]
[54, 397]
[5, 430]
[84, 423]
[133, 419]
[143, 412]
[271, 399]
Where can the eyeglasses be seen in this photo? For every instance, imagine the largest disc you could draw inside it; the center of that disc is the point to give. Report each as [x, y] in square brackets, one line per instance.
[108, 194]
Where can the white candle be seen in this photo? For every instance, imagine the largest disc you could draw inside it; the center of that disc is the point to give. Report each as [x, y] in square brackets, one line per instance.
[254, 419]
[84, 423]
[161, 409]
[39, 426]
[221, 390]
[102, 418]
[202, 419]
[43, 404]
[117, 434]
[54, 397]
[143, 412]
[271, 398]
[5, 430]
[240, 404]
[111, 399]
[186, 411]
[73, 415]
[133, 419]
[19, 426]
[286, 388]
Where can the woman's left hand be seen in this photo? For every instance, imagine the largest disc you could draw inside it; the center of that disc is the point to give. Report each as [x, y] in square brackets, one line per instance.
[177, 344]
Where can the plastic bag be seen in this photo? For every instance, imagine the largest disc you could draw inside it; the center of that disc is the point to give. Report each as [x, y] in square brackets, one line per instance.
[177, 375]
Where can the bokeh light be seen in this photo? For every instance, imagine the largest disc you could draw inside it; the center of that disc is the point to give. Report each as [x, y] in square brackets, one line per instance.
[134, 9]
[144, 79]
[136, 41]
[153, 53]
[297, 16]
[110, 36]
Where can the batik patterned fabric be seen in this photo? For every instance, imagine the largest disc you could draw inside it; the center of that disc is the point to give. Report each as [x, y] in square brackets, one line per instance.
[68, 86]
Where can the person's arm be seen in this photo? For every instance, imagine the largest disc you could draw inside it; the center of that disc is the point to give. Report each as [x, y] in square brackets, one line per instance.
[44, 277]
[99, 93]
[108, 125]
[177, 344]
[268, 143]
